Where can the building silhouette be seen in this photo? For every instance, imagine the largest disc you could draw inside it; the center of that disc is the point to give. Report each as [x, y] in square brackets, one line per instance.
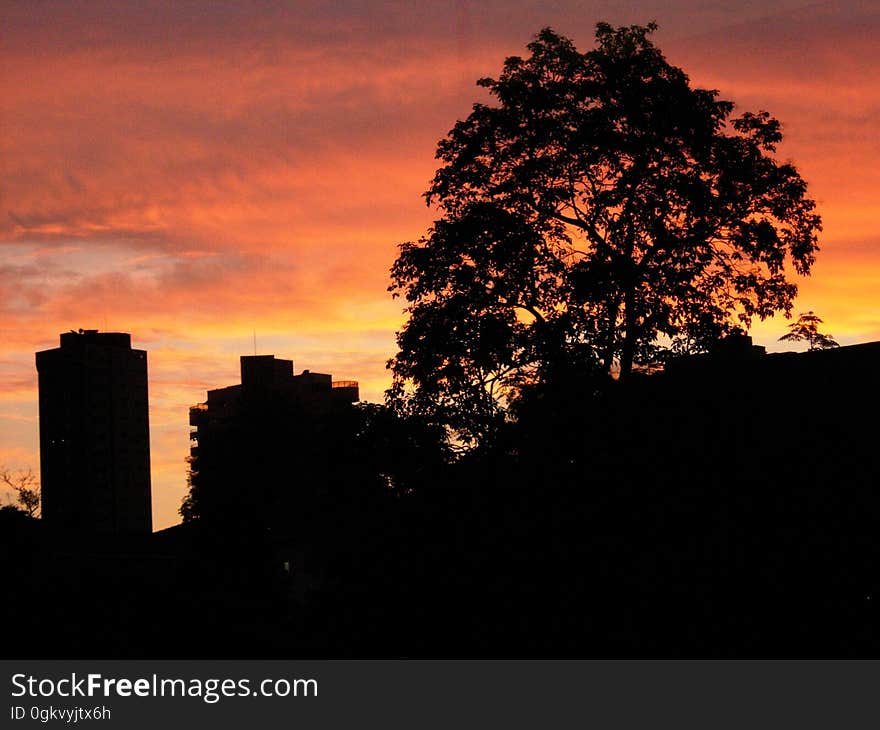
[268, 442]
[266, 379]
[725, 507]
[94, 434]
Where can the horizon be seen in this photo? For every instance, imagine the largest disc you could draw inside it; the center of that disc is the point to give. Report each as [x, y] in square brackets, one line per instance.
[200, 178]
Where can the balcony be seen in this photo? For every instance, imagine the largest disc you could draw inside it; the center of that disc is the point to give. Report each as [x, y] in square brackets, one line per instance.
[197, 413]
[346, 390]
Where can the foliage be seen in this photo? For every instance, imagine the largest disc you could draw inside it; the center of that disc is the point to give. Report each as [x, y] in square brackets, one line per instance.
[399, 453]
[189, 506]
[600, 206]
[806, 329]
[24, 484]
[469, 342]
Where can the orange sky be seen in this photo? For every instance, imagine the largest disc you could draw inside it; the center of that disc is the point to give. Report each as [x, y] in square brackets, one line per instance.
[191, 172]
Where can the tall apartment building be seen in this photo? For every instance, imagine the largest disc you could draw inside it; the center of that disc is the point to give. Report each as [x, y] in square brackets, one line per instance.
[94, 434]
[268, 440]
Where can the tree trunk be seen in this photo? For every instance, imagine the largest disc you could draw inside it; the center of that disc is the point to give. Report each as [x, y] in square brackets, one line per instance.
[608, 355]
[628, 351]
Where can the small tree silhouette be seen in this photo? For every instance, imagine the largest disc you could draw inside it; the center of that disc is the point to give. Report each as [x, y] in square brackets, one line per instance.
[807, 329]
[26, 487]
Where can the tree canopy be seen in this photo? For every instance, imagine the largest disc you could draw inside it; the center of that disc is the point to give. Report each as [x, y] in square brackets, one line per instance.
[26, 487]
[601, 207]
[806, 329]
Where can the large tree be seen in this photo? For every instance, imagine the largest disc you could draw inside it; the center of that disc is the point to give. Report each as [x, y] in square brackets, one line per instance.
[600, 207]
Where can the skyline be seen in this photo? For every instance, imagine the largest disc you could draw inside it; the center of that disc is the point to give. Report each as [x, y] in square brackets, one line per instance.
[191, 174]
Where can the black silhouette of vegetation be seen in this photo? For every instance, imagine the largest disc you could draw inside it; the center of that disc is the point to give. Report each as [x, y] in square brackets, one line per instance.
[806, 329]
[26, 487]
[601, 208]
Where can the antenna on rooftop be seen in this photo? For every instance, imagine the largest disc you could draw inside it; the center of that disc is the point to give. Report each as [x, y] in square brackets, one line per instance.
[255, 341]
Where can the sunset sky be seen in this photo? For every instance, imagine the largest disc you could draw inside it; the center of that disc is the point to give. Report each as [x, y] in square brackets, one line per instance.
[194, 172]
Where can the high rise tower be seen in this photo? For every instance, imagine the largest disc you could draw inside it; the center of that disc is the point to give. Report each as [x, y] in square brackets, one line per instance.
[261, 437]
[95, 434]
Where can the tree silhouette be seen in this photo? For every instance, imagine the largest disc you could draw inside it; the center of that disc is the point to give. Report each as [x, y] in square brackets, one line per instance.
[601, 206]
[24, 484]
[806, 329]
